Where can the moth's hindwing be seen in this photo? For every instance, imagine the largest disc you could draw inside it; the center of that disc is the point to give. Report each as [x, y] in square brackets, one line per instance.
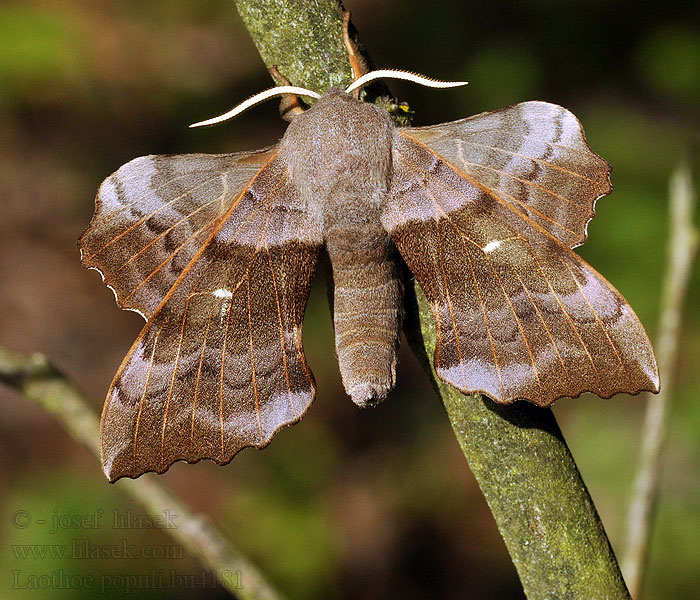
[153, 215]
[535, 156]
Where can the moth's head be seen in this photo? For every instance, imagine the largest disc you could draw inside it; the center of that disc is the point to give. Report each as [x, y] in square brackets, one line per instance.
[338, 98]
[331, 94]
[335, 94]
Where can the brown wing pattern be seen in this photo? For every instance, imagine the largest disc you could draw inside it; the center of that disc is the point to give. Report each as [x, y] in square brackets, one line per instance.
[536, 155]
[518, 314]
[219, 366]
[153, 215]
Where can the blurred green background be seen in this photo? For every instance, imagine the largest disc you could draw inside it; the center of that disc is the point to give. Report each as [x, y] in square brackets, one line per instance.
[376, 503]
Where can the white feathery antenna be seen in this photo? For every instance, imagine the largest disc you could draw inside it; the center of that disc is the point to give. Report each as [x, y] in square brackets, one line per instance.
[299, 91]
[259, 97]
[405, 75]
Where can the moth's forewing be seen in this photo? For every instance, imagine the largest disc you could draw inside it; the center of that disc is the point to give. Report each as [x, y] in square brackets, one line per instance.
[219, 366]
[519, 315]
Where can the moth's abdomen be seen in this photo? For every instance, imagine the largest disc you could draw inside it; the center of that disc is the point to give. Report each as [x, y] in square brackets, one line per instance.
[368, 311]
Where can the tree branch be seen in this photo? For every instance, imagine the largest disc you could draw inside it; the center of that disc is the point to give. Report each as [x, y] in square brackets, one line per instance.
[682, 248]
[517, 453]
[304, 40]
[38, 380]
[531, 483]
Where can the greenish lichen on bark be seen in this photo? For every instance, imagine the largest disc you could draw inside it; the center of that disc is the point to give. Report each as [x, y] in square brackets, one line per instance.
[302, 39]
[516, 452]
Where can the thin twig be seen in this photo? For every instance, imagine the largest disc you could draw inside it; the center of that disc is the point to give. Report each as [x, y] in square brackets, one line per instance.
[39, 381]
[682, 248]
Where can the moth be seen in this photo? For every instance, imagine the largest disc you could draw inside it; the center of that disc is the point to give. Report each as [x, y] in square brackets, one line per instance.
[218, 253]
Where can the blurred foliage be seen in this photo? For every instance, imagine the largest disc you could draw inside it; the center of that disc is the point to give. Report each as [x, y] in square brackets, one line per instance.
[28, 68]
[667, 61]
[376, 503]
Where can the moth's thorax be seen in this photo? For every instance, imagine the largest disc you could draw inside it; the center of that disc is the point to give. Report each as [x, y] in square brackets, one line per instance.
[339, 158]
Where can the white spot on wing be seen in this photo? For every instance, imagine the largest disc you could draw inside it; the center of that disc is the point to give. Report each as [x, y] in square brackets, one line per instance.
[225, 296]
[491, 246]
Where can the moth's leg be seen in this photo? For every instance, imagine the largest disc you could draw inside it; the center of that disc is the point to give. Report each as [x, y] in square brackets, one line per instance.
[290, 105]
[358, 63]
